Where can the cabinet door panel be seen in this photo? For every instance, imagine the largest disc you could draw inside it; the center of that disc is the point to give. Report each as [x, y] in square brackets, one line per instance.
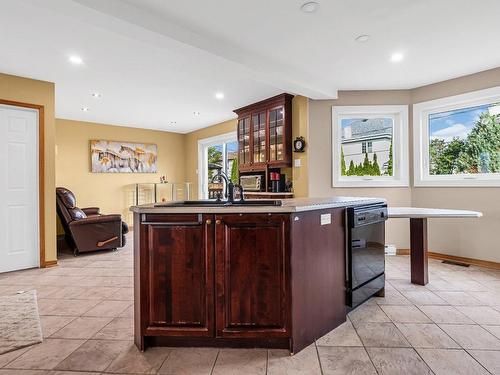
[181, 277]
[252, 275]
[259, 138]
[276, 135]
[244, 141]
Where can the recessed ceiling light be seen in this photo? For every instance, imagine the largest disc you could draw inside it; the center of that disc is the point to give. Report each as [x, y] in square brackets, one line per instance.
[362, 38]
[173, 122]
[85, 109]
[219, 95]
[397, 57]
[96, 95]
[196, 113]
[309, 7]
[75, 59]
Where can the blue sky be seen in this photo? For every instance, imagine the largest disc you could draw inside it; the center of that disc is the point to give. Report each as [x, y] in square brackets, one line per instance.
[456, 123]
[231, 146]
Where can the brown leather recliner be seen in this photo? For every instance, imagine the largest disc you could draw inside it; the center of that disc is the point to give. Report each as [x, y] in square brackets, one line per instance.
[86, 229]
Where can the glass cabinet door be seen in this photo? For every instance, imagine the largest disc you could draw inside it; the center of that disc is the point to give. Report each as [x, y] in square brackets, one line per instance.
[276, 134]
[244, 140]
[259, 137]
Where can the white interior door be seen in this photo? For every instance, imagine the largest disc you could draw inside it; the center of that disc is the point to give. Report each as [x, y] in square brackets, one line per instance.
[19, 239]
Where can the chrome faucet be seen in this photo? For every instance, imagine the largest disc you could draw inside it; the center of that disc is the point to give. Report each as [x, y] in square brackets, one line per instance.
[229, 194]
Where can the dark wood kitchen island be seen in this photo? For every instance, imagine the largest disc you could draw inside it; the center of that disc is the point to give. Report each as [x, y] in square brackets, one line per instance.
[240, 276]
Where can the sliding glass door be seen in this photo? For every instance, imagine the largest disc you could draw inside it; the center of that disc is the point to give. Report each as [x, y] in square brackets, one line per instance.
[215, 153]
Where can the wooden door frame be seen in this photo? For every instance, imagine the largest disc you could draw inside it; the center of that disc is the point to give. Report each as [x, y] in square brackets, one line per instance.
[41, 171]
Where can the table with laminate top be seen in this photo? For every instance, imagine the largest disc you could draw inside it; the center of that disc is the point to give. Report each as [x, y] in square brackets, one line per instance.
[418, 234]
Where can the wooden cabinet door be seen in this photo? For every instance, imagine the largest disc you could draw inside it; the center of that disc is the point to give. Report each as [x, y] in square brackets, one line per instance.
[259, 138]
[244, 138]
[279, 136]
[179, 280]
[252, 275]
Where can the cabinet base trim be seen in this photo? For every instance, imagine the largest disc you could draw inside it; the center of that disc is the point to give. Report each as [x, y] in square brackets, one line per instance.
[278, 343]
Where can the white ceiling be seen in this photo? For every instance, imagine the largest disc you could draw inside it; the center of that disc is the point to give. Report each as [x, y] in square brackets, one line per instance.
[158, 61]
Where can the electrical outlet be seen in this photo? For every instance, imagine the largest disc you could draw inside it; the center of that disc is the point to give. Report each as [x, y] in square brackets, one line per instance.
[296, 163]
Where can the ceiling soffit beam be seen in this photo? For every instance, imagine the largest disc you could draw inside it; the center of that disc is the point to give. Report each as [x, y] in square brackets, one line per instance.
[126, 19]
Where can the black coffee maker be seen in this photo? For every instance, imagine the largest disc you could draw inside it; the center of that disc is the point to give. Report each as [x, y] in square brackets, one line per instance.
[277, 182]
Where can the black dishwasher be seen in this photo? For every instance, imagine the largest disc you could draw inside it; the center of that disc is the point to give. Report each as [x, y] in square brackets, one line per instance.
[365, 252]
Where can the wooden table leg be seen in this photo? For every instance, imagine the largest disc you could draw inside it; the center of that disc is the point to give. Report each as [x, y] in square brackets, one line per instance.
[418, 251]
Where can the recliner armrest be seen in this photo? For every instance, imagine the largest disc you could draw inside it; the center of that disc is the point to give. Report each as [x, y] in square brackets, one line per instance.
[91, 211]
[96, 220]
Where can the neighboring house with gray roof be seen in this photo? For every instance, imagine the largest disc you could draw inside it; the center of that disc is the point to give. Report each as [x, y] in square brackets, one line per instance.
[367, 136]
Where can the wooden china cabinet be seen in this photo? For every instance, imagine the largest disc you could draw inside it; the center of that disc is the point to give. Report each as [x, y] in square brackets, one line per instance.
[265, 134]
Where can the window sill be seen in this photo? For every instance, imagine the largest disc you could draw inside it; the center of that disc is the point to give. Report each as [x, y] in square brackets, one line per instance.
[466, 182]
[369, 183]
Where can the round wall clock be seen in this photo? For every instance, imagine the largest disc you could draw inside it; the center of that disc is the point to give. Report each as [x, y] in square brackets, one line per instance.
[299, 144]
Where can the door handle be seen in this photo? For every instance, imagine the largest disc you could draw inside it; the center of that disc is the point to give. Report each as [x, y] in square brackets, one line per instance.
[209, 222]
[218, 221]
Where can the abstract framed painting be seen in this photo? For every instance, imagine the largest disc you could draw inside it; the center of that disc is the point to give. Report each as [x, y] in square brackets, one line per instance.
[123, 157]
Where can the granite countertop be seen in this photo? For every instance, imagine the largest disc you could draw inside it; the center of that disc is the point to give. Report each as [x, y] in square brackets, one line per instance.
[288, 205]
[266, 193]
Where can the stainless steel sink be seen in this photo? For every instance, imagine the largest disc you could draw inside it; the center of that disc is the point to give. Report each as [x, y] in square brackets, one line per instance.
[215, 203]
[258, 202]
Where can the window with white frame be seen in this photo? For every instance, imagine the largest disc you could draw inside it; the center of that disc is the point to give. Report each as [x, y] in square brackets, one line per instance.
[219, 152]
[457, 140]
[370, 146]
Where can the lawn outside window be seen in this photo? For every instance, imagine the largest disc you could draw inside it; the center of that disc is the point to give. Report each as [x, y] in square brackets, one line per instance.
[370, 146]
[457, 140]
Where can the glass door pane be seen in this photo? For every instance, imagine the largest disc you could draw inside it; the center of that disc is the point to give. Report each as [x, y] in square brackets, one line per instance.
[272, 135]
[214, 162]
[231, 166]
[244, 140]
[276, 134]
[256, 143]
[246, 127]
[259, 137]
[280, 125]
[262, 137]
[223, 155]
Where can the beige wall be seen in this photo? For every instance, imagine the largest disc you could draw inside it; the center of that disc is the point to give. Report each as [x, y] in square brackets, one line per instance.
[112, 192]
[469, 238]
[41, 93]
[320, 155]
[300, 127]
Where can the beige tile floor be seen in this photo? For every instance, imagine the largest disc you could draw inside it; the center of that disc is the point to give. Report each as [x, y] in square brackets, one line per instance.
[451, 326]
